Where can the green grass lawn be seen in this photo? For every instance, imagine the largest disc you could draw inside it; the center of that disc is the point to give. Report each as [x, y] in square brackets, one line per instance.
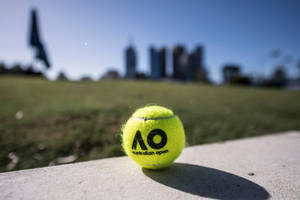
[85, 118]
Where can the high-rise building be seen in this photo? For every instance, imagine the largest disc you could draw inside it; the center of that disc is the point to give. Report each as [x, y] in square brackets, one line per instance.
[189, 66]
[199, 57]
[157, 63]
[196, 66]
[154, 63]
[163, 62]
[179, 60]
[192, 68]
[130, 59]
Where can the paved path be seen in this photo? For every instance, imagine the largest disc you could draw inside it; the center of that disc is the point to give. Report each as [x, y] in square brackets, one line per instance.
[254, 168]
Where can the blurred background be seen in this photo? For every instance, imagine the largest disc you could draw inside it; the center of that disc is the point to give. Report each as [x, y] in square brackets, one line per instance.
[72, 72]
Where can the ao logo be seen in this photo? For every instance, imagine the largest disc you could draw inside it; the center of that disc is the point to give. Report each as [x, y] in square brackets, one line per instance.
[138, 139]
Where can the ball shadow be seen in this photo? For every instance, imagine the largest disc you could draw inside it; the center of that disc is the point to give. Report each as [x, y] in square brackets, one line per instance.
[207, 182]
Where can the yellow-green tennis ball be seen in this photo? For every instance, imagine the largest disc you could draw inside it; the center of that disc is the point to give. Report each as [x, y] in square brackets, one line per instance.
[153, 137]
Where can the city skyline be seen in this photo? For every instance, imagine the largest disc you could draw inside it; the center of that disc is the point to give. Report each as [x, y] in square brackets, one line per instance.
[183, 66]
[89, 38]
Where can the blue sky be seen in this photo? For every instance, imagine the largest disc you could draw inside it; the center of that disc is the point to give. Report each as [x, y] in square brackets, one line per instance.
[87, 37]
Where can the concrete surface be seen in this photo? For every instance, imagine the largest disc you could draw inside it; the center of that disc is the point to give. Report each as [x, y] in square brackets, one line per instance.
[255, 168]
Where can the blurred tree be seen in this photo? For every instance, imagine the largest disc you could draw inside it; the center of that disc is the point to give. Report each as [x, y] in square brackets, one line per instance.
[140, 75]
[61, 76]
[278, 78]
[86, 78]
[241, 80]
[230, 71]
[2, 68]
[111, 74]
[16, 69]
[29, 71]
[279, 73]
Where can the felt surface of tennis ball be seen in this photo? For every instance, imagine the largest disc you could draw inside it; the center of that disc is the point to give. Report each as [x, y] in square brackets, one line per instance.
[153, 137]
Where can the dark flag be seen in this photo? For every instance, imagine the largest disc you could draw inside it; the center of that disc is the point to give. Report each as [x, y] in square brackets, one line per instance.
[35, 41]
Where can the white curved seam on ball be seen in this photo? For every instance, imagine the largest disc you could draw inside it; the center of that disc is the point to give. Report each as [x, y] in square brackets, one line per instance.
[156, 118]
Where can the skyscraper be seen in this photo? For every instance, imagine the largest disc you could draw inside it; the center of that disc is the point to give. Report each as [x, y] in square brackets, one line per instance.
[199, 57]
[179, 56]
[192, 68]
[154, 63]
[188, 66]
[163, 62]
[157, 63]
[196, 66]
[130, 59]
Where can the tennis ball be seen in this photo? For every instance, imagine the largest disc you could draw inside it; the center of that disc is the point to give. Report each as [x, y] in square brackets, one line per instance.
[153, 137]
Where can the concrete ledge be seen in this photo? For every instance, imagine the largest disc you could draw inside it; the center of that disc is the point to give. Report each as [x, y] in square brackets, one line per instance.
[254, 168]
